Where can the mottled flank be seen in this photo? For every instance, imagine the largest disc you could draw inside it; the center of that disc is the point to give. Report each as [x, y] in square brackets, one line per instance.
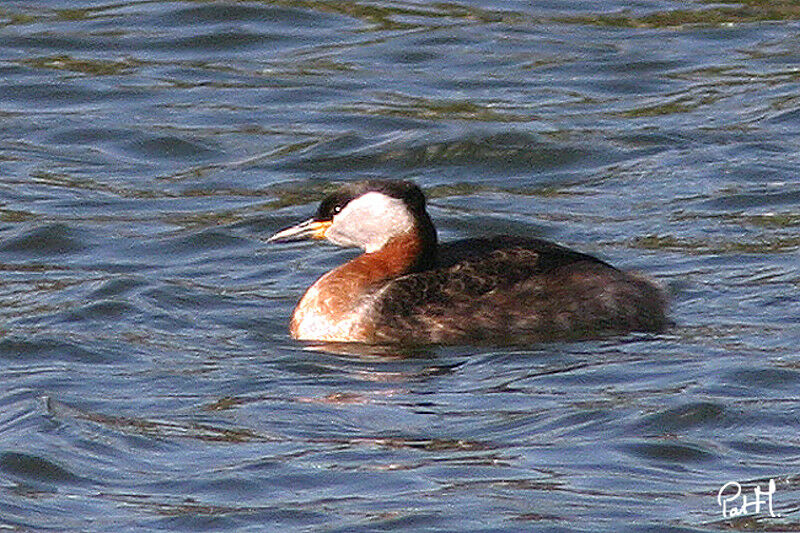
[522, 290]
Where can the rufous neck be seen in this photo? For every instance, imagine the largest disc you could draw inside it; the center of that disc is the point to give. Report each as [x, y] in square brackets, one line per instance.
[403, 254]
[337, 293]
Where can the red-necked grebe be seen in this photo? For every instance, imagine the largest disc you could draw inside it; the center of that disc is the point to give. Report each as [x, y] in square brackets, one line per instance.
[406, 288]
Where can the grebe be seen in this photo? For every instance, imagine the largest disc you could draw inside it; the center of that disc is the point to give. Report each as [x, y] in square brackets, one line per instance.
[405, 288]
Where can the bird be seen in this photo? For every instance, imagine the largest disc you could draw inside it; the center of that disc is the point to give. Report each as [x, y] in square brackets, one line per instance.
[406, 288]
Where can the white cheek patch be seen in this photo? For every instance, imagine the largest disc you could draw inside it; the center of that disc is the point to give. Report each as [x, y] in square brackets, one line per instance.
[369, 222]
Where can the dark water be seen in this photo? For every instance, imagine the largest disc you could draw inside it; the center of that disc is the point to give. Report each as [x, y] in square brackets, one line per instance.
[148, 148]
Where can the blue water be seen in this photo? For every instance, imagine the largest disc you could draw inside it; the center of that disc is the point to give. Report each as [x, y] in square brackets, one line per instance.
[149, 148]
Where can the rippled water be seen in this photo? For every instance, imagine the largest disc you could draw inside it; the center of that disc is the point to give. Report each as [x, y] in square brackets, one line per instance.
[148, 148]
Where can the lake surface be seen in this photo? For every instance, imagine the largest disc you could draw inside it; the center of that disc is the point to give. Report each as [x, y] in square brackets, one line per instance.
[149, 148]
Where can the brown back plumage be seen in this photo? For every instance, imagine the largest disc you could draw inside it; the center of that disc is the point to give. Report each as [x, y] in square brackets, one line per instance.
[512, 289]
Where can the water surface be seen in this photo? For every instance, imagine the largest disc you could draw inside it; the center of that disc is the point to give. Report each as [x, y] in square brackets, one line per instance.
[148, 148]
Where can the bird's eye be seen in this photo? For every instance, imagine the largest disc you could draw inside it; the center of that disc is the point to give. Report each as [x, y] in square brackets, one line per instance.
[336, 209]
